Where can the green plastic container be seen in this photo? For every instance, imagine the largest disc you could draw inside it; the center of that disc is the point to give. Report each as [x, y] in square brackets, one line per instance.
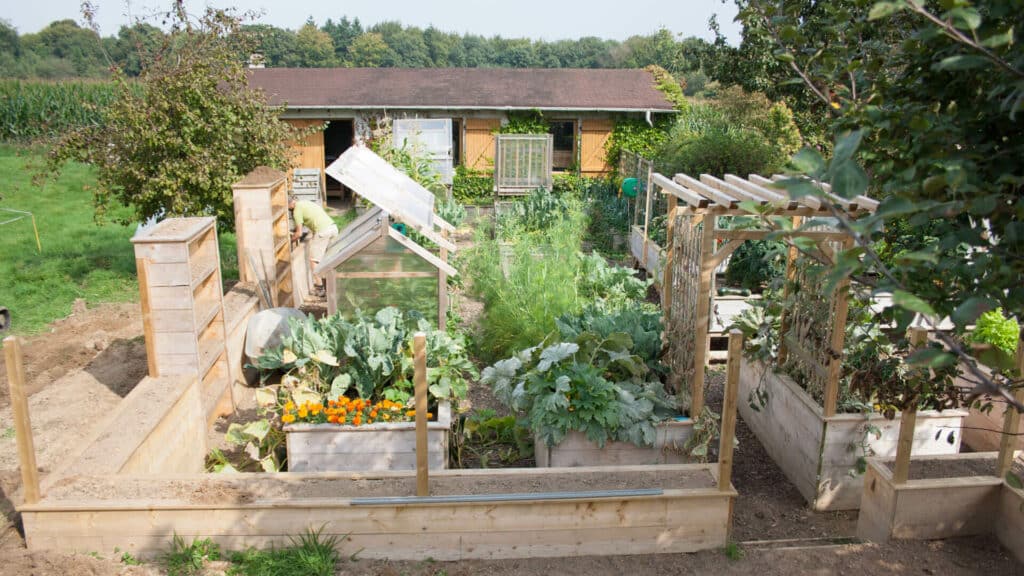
[629, 187]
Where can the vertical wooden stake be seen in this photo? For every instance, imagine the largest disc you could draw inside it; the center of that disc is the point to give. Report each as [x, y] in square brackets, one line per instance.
[707, 272]
[1011, 419]
[666, 278]
[841, 309]
[791, 255]
[419, 379]
[22, 425]
[728, 433]
[908, 421]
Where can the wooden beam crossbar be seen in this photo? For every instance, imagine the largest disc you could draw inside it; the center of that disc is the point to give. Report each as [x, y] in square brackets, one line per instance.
[681, 192]
[809, 201]
[752, 234]
[720, 198]
[736, 192]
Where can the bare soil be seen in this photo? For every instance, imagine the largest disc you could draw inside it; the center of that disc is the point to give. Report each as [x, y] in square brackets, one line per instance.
[775, 531]
[965, 468]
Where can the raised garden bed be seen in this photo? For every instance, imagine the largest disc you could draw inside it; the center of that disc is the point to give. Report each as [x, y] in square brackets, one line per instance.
[380, 446]
[577, 450]
[819, 454]
[983, 430]
[512, 513]
[944, 497]
[647, 253]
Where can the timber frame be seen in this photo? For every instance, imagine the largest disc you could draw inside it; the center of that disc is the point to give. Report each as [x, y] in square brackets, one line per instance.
[697, 245]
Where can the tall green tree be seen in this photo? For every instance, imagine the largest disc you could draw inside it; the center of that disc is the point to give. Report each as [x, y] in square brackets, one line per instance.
[178, 137]
[314, 47]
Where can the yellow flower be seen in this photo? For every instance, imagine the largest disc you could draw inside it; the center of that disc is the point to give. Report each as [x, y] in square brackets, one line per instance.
[288, 418]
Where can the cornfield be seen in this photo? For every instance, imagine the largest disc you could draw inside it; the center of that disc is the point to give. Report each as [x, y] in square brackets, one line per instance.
[35, 110]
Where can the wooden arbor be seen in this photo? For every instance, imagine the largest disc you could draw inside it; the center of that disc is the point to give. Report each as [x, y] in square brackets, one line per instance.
[697, 245]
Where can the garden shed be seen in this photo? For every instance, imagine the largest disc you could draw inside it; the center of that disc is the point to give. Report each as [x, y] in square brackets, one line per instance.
[374, 263]
[580, 106]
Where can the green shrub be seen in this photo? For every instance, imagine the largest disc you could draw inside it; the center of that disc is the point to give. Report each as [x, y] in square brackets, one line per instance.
[637, 136]
[472, 186]
[609, 216]
[756, 263]
[718, 147]
[996, 329]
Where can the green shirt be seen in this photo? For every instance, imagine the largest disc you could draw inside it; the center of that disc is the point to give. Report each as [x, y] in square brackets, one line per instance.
[311, 215]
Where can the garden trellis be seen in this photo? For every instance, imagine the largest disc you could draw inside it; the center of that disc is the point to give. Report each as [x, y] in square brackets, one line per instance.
[697, 245]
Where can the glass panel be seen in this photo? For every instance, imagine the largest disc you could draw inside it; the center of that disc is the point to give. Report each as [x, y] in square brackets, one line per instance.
[371, 294]
[386, 255]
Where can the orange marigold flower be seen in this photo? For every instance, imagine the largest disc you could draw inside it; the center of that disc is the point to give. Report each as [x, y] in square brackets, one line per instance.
[410, 413]
[289, 406]
[288, 418]
[356, 421]
[387, 416]
[303, 413]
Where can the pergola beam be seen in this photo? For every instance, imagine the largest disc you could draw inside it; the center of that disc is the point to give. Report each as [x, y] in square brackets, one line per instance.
[719, 198]
[734, 191]
[773, 197]
[681, 192]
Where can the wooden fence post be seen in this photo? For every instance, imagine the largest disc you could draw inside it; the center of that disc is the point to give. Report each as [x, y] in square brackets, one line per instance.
[791, 255]
[22, 425]
[908, 421]
[728, 432]
[700, 341]
[419, 347]
[442, 288]
[1011, 419]
[666, 273]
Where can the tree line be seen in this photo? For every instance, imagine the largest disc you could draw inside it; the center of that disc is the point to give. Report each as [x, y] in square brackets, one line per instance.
[66, 50]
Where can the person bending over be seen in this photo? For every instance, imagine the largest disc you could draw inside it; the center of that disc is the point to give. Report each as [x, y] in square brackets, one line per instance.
[322, 227]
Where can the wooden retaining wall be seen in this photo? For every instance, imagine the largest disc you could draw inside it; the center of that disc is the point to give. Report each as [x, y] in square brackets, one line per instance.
[669, 521]
[817, 453]
[1010, 527]
[159, 428]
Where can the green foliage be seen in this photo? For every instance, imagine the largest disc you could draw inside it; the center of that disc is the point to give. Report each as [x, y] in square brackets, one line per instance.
[734, 552]
[311, 554]
[472, 186]
[35, 110]
[187, 559]
[592, 384]
[451, 210]
[531, 122]
[756, 263]
[609, 217]
[173, 143]
[261, 444]
[995, 329]
[668, 85]
[642, 325]
[483, 437]
[537, 212]
[728, 136]
[370, 357]
[636, 136]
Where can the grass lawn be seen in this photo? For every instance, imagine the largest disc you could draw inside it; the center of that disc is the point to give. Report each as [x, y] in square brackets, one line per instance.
[80, 259]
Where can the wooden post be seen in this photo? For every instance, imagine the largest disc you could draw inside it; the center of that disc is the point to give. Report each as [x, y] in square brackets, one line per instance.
[728, 433]
[22, 425]
[707, 271]
[666, 277]
[840, 309]
[908, 421]
[442, 288]
[419, 347]
[647, 222]
[1011, 419]
[142, 267]
[791, 255]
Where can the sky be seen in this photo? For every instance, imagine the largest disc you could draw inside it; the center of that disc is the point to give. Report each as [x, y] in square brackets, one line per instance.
[535, 19]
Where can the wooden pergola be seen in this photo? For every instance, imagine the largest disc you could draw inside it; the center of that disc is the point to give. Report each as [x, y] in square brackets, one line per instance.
[697, 245]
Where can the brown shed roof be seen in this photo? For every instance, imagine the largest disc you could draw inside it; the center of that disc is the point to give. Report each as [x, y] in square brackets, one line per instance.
[466, 88]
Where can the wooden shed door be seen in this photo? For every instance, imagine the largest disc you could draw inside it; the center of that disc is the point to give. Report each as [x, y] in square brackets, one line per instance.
[480, 143]
[595, 134]
[309, 151]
